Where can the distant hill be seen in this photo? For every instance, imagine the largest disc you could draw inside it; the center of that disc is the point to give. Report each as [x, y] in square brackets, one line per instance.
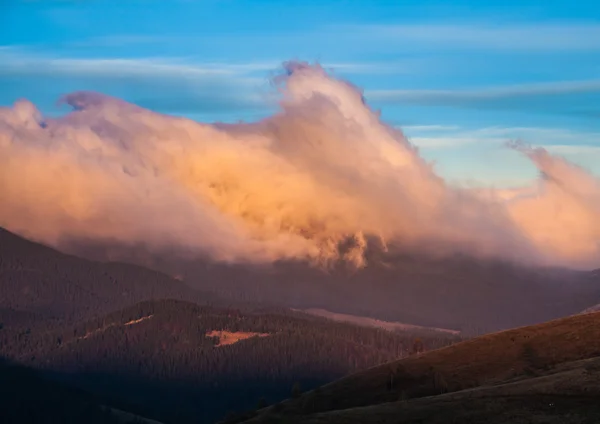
[181, 362]
[370, 322]
[458, 293]
[528, 363]
[39, 284]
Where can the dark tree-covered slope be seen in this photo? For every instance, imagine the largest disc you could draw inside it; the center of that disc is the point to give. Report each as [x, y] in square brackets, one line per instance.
[172, 360]
[39, 283]
[26, 396]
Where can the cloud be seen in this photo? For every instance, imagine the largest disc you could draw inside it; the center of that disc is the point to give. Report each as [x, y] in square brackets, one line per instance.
[166, 84]
[120, 67]
[122, 39]
[568, 36]
[396, 68]
[574, 149]
[558, 97]
[17, 61]
[445, 142]
[323, 179]
[551, 138]
[431, 128]
[485, 93]
[163, 84]
[477, 144]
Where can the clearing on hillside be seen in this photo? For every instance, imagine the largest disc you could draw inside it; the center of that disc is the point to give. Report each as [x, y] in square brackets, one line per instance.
[229, 337]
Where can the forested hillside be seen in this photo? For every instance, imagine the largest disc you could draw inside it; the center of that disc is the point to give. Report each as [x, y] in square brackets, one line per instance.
[181, 362]
[39, 285]
[80, 321]
[27, 397]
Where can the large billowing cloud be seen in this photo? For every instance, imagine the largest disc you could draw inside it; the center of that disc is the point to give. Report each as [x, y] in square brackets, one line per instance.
[323, 179]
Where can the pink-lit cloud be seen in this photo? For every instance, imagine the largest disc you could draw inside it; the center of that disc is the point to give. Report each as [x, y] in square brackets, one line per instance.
[322, 179]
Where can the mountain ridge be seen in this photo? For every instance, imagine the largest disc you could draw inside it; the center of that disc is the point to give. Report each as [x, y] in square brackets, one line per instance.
[458, 293]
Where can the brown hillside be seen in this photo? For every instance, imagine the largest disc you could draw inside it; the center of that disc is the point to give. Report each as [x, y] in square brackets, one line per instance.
[486, 360]
[567, 394]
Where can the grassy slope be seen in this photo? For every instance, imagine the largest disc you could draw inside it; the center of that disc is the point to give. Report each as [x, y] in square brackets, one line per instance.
[486, 360]
[569, 395]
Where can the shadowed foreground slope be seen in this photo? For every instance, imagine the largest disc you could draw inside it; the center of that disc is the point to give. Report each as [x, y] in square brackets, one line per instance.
[26, 396]
[476, 373]
[568, 396]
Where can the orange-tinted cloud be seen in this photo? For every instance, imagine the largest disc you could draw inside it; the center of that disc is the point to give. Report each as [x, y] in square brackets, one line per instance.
[321, 179]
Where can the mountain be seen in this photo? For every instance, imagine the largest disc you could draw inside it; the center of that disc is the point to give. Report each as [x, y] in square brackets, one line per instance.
[140, 341]
[180, 362]
[82, 323]
[40, 285]
[458, 293]
[511, 372]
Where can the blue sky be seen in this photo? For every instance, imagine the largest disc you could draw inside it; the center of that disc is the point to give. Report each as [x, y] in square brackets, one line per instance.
[460, 77]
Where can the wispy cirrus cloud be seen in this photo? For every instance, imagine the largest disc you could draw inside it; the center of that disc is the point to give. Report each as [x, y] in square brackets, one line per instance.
[17, 61]
[122, 39]
[430, 128]
[451, 148]
[559, 140]
[163, 84]
[574, 149]
[558, 97]
[533, 36]
[487, 93]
